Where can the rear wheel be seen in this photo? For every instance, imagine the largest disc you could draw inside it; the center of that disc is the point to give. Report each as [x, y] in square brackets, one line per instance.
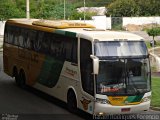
[22, 79]
[71, 102]
[16, 75]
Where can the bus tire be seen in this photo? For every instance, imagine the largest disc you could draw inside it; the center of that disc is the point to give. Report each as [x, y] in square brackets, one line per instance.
[71, 102]
[22, 79]
[16, 75]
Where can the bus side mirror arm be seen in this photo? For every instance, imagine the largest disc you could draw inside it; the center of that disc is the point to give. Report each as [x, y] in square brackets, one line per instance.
[95, 64]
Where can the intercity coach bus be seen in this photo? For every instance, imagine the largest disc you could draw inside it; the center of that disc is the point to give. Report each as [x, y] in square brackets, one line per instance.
[98, 71]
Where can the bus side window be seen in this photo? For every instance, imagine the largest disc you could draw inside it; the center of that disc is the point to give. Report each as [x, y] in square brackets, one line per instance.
[68, 48]
[21, 39]
[61, 47]
[86, 66]
[74, 50]
[46, 45]
[6, 33]
[55, 43]
[16, 37]
[32, 38]
[10, 34]
[26, 39]
[38, 41]
[52, 52]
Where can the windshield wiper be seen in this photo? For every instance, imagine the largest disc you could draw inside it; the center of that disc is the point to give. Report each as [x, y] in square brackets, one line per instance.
[137, 92]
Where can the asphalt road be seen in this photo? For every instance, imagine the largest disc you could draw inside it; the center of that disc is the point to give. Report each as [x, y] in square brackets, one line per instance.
[19, 104]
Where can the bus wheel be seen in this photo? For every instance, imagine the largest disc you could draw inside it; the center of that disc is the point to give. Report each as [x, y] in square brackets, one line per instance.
[71, 102]
[22, 79]
[15, 74]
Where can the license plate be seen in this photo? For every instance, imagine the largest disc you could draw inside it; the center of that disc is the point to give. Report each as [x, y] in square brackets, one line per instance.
[125, 109]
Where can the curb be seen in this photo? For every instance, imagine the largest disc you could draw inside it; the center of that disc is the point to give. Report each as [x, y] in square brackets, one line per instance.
[155, 108]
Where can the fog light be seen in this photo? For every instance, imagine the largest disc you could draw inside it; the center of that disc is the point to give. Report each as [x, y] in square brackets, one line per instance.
[146, 99]
[101, 113]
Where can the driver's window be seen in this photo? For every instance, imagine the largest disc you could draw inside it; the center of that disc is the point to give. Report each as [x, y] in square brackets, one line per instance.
[86, 66]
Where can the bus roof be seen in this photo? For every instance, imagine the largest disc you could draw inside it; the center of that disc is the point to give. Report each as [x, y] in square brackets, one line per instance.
[75, 29]
[104, 35]
[61, 24]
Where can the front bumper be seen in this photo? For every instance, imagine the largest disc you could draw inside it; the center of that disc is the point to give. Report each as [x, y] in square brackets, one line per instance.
[107, 109]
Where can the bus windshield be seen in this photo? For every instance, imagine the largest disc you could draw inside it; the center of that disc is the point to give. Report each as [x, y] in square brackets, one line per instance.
[120, 48]
[123, 68]
[123, 76]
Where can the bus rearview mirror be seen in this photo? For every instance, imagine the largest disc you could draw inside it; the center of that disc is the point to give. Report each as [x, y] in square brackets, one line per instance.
[95, 64]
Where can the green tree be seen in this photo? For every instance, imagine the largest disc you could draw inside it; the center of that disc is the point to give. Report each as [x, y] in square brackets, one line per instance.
[122, 8]
[57, 11]
[41, 8]
[149, 7]
[76, 15]
[9, 9]
[153, 32]
[134, 8]
[47, 9]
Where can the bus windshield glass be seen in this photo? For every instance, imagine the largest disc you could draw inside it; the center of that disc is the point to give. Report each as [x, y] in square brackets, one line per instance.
[120, 49]
[123, 76]
[123, 67]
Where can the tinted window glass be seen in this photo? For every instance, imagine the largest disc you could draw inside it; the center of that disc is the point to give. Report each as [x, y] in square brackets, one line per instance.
[32, 38]
[63, 47]
[16, 36]
[27, 43]
[10, 34]
[38, 41]
[86, 66]
[58, 46]
[6, 33]
[21, 37]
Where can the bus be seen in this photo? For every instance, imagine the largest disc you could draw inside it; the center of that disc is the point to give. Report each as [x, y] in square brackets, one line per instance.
[98, 71]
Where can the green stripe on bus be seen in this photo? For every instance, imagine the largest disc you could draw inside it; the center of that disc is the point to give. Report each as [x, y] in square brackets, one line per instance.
[137, 98]
[59, 32]
[50, 72]
[66, 33]
[70, 34]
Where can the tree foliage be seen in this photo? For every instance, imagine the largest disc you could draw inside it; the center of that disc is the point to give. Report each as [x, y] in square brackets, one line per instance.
[123, 8]
[134, 8]
[148, 7]
[77, 16]
[47, 9]
[53, 9]
[153, 32]
[9, 9]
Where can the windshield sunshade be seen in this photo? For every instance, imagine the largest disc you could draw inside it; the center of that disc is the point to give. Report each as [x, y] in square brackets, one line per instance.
[120, 48]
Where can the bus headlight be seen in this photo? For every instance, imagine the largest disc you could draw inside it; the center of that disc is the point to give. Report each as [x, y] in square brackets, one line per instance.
[102, 101]
[146, 99]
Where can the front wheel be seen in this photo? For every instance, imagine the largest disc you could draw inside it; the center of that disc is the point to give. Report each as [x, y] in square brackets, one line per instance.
[71, 102]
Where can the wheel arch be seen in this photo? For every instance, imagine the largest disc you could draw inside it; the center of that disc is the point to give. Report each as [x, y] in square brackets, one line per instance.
[71, 89]
[14, 70]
